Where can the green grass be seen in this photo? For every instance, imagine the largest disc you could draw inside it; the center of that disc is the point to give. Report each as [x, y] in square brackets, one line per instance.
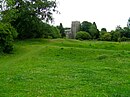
[66, 68]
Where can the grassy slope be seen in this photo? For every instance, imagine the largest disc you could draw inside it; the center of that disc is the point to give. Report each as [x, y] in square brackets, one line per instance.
[66, 68]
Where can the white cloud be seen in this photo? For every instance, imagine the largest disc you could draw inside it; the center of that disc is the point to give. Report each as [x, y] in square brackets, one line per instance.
[106, 13]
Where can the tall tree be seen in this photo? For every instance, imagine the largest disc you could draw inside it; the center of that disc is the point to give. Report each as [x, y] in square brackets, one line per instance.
[85, 25]
[126, 32]
[27, 15]
[104, 29]
[120, 30]
[62, 31]
[93, 31]
[103, 33]
[94, 23]
[43, 9]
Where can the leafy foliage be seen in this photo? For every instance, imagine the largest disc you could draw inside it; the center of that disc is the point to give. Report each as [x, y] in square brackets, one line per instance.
[27, 17]
[93, 31]
[85, 25]
[62, 30]
[83, 35]
[126, 32]
[104, 30]
[116, 36]
[7, 34]
[105, 37]
[53, 32]
[43, 9]
[30, 27]
[123, 38]
[90, 28]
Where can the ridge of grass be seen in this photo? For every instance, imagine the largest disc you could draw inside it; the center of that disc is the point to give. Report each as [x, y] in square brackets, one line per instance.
[66, 68]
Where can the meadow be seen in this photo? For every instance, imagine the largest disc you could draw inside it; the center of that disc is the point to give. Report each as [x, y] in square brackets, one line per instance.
[66, 68]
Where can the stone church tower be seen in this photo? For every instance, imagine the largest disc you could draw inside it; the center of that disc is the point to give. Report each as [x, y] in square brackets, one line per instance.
[75, 27]
[128, 23]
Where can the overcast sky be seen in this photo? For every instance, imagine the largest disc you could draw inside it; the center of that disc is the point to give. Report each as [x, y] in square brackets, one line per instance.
[106, 13]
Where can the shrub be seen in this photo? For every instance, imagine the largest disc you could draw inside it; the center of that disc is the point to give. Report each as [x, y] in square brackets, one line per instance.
[105, 37]
[7, 34]
[83, 35]
[128, 39]
[116, 36]
[50, 37]
[123, 38]
[55, 32]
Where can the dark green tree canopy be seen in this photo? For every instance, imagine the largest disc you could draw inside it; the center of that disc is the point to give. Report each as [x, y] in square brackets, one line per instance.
[91, 28]
[7, 35]
[27, 16]
[85, 25]
[43, 9]
[62, 30]
[93, 31]
[94, 23]
[104, 30]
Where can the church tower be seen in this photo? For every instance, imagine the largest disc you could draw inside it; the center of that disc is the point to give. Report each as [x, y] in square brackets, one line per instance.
[128, 23]
[75, 27]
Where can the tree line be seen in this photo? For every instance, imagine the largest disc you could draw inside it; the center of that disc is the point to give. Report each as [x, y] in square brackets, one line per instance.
[89, 31]
[24, 19]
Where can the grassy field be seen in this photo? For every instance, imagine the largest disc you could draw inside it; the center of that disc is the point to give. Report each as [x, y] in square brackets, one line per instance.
[66, 68]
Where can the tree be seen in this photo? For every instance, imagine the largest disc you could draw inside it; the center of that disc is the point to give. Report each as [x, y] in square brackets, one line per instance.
[120, 30]
[104, 30]
[95, 24]
[27, 16]
[93, 31]
[106, 37]
[126, 32]
[85, 26]
[116, 36]
[62, 30]
[43, 9]
[54, 32]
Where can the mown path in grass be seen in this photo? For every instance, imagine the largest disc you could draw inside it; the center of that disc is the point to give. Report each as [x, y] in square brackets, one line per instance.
[66, 68]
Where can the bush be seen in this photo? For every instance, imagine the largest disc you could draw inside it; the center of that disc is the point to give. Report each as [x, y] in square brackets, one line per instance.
[128, 39]
[123, 38]
[7, 34]
[55, 32]
[105, 37]
[116, 36]
[83, 35]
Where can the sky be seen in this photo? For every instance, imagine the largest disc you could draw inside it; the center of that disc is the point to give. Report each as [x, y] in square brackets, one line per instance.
[106, 13]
